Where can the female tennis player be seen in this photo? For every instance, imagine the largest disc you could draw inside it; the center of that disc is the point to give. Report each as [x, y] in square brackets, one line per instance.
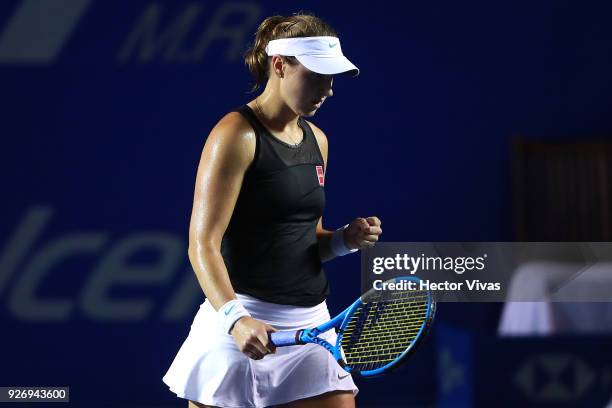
[256, 239]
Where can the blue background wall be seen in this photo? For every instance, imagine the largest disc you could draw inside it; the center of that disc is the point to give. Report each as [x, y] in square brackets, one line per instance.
[105, 107]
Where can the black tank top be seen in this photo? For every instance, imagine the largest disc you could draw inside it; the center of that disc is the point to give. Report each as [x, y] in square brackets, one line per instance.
[270, 246]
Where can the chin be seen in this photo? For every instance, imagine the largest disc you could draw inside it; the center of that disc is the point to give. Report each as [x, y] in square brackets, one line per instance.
[308, 113]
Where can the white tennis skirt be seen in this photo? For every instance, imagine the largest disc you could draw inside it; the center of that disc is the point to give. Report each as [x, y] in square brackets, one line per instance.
[210, 369]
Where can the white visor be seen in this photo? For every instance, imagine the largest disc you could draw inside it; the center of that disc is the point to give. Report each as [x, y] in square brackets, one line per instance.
[322, 55]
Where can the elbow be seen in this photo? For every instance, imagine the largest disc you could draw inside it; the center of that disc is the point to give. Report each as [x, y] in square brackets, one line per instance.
[198, 247]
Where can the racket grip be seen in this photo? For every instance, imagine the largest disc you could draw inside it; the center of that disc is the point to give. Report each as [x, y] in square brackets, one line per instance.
[285, 338]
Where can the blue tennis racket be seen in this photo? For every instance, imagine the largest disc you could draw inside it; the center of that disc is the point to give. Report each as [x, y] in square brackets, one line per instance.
[377, 332]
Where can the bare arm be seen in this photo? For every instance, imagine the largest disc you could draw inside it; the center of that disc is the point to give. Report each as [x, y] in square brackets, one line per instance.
[361, 233]
[225, 158]
[227, 154]
[323, 236]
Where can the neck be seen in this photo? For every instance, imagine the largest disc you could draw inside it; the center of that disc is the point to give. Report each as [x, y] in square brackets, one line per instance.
[277, 114]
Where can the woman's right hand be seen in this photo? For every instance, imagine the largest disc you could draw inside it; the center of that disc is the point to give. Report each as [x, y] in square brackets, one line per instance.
[251, 337]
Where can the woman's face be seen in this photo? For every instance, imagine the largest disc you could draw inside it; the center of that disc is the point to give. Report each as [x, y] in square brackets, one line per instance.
[304, 90]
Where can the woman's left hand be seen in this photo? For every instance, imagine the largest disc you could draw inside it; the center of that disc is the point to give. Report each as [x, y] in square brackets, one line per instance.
[362, 233]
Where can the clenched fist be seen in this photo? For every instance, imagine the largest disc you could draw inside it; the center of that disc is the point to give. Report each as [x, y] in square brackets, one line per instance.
[362, 233]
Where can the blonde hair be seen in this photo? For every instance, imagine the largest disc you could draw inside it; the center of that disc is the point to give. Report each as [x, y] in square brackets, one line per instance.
[301, 24]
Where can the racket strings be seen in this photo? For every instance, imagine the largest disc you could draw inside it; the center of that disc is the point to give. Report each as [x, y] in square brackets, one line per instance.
[370, 353]
[383, 328]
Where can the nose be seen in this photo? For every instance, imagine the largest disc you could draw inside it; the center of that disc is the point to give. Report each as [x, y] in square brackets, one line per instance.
[327, 85]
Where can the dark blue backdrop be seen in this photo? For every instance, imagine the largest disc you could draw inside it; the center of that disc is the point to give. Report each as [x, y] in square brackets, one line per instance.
[105, 107]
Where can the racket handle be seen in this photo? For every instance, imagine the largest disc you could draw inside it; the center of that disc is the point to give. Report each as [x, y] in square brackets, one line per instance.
[285, 338]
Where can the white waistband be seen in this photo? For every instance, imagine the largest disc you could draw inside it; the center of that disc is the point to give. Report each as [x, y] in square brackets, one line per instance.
[282, 317]
[285, 315]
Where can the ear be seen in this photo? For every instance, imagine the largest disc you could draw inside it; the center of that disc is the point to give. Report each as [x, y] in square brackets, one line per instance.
[278, 66]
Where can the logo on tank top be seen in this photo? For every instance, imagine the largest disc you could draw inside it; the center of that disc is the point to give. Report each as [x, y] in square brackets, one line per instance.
[320, 175]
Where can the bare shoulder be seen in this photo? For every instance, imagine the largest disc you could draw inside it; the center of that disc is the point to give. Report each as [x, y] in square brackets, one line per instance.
[234, 135]
[232, 128]
[321, 138]
[319, 134]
